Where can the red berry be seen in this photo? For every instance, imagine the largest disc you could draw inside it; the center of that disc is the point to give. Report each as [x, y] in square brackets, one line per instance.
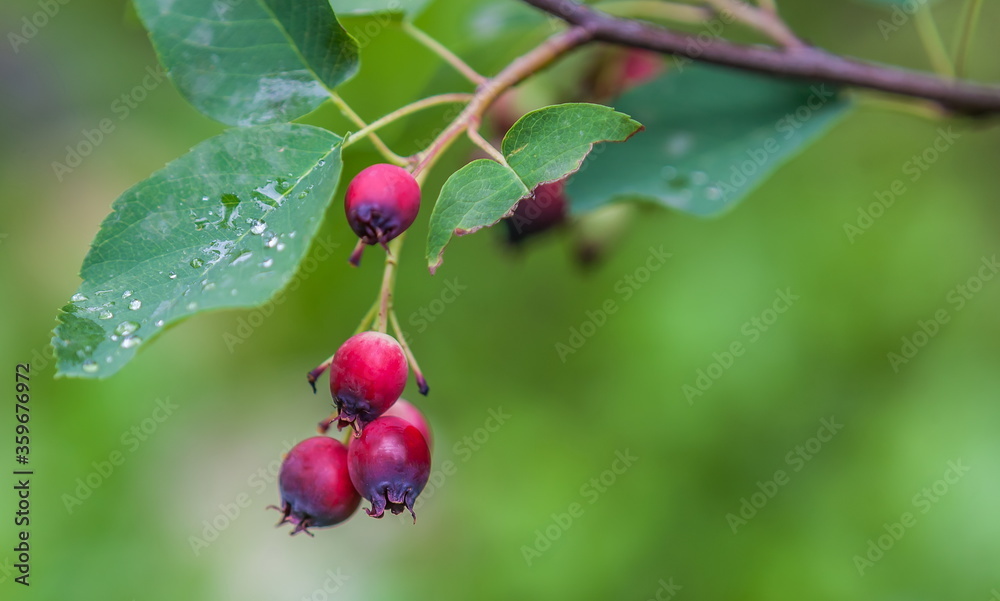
[367, 375]
[389, 465]
[381, 202]
[543, 210]
[316, 489]
[406, 410]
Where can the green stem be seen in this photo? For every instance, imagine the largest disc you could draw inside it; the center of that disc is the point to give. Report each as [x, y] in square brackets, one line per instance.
[934, 46]
[766, 22]
[388, 283]
[656, 10]
[971, 17]
[404, 111]
[348, 112]
[417, 374]
[488, 148]
[450, 57]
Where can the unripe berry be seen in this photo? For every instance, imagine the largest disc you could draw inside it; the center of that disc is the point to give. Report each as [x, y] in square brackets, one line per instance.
[316, 489]
[389, 465]
[381, 202]
[367, 375]
[407, 411]
[545, 209]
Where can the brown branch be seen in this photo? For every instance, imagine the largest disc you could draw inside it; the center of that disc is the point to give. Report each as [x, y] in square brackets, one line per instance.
[805, 62]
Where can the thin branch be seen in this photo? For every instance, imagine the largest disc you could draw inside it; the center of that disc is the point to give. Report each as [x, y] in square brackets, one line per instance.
[404, 111]
[930, 37]
[520, 68]
[970, 17]
[807, 62]
[450, 57]
[348, 112]
[488, 148]
[766, 22]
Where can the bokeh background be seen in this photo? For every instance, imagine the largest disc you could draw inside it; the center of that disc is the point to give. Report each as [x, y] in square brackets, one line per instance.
[661, 523]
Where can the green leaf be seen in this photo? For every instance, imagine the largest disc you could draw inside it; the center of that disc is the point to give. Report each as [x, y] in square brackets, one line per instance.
[475, 196]
[543, 146]
[548, 143]
[251, 62]
[225, 225]
[409, 8]
[712, 135]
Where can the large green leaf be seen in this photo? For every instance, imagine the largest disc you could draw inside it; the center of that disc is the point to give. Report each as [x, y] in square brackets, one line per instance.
[251, 62]
[225, 225]
[712, 135]
[409, 8]
[543, 146]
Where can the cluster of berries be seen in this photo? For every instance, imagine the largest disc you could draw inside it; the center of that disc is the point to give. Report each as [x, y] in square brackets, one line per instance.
[386, 458]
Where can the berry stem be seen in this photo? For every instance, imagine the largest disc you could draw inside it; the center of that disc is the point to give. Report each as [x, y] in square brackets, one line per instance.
[314, 375]
[421, 380]
[520, 68]
[970, 16]
[388, 283]
[348, 112]
[450, 57]
[404, 111]
[764, 21]
[934, 46]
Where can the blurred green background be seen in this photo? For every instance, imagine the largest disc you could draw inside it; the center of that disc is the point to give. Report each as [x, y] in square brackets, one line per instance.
[663, 520]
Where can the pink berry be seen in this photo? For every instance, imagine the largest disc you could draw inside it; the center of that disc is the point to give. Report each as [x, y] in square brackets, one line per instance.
[367, 375]
[389, 465]
[316, 489]
[381, 202]
[406, 410]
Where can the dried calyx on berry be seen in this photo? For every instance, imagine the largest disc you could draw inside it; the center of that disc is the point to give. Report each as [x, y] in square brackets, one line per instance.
[381, 202]
[367, 375]
[316, 488]
[389, 465]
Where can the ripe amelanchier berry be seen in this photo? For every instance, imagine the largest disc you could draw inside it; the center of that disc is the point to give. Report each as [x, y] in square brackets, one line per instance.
[406, 410]
[381, 202]
[367, 375]
[545, 209]
[316, 489]
[389, 465]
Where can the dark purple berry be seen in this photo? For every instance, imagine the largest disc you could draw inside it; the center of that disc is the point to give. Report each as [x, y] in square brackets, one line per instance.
[545, 209]
[367, 375]
[407, 411]
[389, 465]
[316, 489]
[381, 202]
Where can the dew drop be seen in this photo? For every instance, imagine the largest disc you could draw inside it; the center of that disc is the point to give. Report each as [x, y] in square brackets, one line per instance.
[159, 323]
[271, 242]
[208, 286]
[126, 327]
[78, 298]
[257, 227]
[135, 304]
[172, 276]
[321, 163]
[105, 315]
[241, 257]
[192, 306]
[291, 234]
[204, 198]
[267, 263]
[126, 294]
[280, 247]
[131, 342]
[196, 263]
[90, 366]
